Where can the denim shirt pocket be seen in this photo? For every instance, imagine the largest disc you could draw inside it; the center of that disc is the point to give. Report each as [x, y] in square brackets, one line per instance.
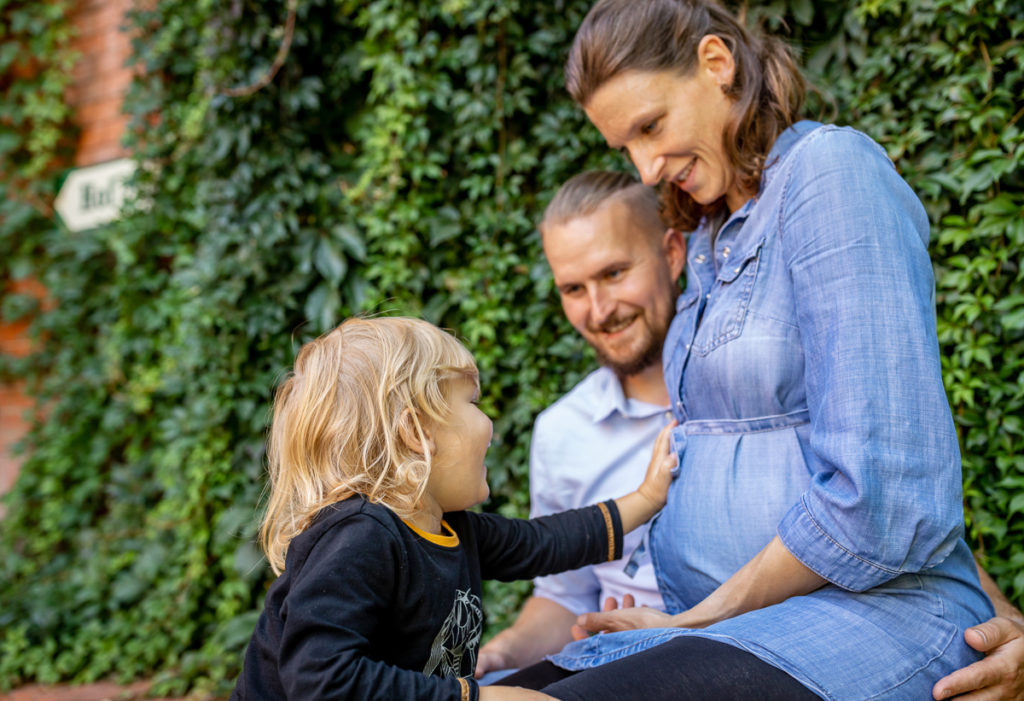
[733, 287]
[678, 333]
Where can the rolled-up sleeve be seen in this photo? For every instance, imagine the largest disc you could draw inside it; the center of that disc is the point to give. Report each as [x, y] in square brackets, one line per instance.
[885, 496]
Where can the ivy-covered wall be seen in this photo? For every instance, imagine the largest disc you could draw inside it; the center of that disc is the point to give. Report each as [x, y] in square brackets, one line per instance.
[396, 163]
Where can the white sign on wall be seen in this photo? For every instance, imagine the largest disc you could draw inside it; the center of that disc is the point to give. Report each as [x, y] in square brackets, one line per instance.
[93, 195]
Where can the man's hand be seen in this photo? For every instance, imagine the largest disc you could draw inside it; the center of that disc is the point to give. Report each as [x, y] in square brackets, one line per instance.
[542, 628]
[1000, 676]
[492, 658]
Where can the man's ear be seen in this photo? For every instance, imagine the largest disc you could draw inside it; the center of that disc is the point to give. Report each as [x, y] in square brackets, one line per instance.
[673, 245]
[413, 432]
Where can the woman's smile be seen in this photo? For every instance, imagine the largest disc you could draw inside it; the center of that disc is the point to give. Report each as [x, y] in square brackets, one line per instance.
[681, 179]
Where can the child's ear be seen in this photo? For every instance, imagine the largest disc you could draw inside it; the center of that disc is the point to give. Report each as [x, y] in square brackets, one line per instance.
[414, 433]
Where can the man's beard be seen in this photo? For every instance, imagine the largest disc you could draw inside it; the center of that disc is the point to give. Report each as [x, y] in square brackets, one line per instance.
[644, 358]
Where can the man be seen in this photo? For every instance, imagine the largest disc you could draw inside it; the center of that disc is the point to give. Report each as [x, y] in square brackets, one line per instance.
[616, 267]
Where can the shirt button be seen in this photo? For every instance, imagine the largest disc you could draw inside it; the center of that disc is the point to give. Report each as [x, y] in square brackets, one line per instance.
[687, 346]
[699, 259]
[735, 270]
[725, 252]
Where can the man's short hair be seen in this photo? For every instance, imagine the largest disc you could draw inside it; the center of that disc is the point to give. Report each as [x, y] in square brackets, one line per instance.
[583, 194]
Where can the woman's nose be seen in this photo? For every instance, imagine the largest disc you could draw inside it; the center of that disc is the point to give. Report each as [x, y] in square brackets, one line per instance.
[648, 164]
[649, 167]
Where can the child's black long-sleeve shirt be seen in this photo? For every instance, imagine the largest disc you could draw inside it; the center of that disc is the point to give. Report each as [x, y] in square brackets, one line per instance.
[367, 608]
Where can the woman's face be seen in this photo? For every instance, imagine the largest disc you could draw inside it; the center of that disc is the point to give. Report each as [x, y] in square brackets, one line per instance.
[672, 126]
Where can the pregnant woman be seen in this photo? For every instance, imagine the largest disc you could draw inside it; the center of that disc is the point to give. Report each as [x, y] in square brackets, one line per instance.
[812, 543]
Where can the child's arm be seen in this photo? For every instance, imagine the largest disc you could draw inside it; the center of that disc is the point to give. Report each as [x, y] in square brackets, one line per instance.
[518, 549]
[639, 506]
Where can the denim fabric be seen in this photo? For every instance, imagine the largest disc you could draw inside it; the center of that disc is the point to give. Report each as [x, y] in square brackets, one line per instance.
[804, 371]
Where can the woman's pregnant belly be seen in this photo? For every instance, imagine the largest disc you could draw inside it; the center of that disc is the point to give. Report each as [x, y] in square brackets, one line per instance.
[732, 490]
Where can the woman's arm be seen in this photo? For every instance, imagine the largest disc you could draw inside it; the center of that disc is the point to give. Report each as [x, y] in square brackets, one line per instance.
[772, 576]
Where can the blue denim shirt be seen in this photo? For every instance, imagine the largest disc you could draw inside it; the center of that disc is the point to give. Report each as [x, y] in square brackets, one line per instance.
[803, 366]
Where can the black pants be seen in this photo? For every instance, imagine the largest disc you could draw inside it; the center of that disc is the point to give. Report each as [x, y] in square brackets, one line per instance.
[683, 668]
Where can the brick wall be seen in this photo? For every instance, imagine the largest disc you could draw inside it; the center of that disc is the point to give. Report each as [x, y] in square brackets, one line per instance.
[14, 405]
[100, 81]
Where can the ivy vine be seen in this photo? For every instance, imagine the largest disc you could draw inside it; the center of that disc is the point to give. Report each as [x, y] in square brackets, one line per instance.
[304, 160]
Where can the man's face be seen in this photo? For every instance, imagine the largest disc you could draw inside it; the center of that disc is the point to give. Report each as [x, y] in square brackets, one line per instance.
[616, 274]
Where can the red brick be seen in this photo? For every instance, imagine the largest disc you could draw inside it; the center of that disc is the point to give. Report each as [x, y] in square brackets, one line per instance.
[18, 346]
[90, 5]
[14, 424]
[13, 339]
[101, 142]
[109, 87]
[99, 18]
[101, 153]
[28, 286]
[90, 114]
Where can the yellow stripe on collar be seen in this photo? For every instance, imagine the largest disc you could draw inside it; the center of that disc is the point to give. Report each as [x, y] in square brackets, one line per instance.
[448, 541]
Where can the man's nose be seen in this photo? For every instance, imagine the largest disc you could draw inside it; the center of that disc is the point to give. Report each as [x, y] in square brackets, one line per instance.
[601, 305]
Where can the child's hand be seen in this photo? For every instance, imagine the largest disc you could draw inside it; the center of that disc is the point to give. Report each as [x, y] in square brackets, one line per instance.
[659, 472]
[649, 498]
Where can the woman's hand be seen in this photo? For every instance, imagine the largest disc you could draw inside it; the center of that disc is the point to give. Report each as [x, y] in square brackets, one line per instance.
[624, 619]
[628, 618]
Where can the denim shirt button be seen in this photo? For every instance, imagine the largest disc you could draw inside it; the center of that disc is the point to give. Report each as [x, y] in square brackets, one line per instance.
[725, 252]
[699, 259]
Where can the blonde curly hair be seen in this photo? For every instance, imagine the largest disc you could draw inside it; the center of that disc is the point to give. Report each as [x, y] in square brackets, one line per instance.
[338, 417]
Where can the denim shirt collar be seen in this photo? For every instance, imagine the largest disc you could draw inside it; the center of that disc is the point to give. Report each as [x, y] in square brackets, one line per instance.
[781, 147]
[730, 244]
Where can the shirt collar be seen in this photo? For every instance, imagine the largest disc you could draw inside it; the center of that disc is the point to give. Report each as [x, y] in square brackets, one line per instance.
[783, 143]
[781, 147]
[609, 398]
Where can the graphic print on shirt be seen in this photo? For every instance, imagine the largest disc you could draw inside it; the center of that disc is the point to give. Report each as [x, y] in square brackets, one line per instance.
[458, 637]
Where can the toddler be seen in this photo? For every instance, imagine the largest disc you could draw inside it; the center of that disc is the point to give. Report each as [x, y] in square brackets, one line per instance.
[375, 453]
